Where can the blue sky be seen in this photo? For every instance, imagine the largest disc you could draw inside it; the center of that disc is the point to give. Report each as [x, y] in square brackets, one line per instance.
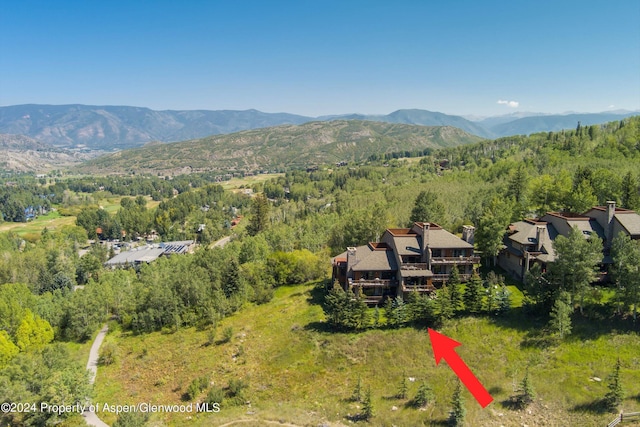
[324, 57]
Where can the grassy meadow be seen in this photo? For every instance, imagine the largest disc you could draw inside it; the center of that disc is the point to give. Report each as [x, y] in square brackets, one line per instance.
[53, 221]
[301, 374]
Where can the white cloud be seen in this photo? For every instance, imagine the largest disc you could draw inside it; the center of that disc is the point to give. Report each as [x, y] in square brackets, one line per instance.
[611, 106]
[512, 104]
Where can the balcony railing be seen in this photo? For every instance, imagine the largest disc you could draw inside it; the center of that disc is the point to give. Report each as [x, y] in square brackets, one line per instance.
[372, 282]
[418, 288]
[413, 266]
[455, 260]
[445, 277]
[372, 299]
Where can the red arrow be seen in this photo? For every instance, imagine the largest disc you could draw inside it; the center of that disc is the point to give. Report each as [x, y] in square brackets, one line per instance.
[444, 348]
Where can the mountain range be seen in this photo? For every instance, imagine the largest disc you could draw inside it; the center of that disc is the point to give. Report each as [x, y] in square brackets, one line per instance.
[120, 127]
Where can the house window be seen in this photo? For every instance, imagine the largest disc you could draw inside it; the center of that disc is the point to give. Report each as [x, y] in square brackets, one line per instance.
[437, 253]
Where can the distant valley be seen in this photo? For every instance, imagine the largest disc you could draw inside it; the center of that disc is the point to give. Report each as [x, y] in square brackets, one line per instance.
[19, 153]
[119, 127]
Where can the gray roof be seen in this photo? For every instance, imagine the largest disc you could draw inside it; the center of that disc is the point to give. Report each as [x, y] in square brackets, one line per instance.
[525, 232]
[630, 221]
[135, 257]
[368, 259]
[407, 245]
[149, 254]
[443, 239]
[588, 228]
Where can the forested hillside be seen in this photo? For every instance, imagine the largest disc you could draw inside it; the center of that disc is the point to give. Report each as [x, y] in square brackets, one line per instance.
[279, 148]
[285, 238]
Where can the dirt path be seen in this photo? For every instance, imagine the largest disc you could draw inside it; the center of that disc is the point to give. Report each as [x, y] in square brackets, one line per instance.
[92, 365]
[220, 243]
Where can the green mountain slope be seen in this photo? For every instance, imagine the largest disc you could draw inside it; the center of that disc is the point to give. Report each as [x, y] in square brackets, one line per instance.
[280, 147]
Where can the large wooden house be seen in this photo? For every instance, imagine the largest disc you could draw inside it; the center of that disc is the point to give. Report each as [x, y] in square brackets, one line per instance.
[530, 241]
[405, 260]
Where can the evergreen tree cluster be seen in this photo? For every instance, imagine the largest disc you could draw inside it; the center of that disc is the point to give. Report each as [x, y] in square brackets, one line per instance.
[346, 310]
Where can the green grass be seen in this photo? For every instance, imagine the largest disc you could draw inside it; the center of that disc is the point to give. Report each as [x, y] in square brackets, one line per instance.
[53, 220]
[248, 181]
[302, 374]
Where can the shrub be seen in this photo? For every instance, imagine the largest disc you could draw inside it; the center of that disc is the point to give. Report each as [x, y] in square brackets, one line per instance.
[227, 334]
[196, 387]
[237, 386]
[215, 395]
[108, 354]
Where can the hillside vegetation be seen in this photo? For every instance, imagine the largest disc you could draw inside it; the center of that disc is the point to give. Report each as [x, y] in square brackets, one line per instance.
[281, 147]
[300, 373]
[235, 324]
[19, 153]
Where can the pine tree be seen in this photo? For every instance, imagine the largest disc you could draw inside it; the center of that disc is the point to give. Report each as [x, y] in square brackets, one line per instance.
[458, 411]
[526, 394]
[527, 388]
[560, 322]
[503, 298]
[356, 396]
[424, 395]
[455, 292]
[491, 302]
[473, 294]
[335, 306]
[443, 304]
[421, 309]
[376, 317]
[358, 311]
[403, 388]
[630, 197]
[367, 406]
[396, 312]
[231, 278]
[259, 218]
[615, 396]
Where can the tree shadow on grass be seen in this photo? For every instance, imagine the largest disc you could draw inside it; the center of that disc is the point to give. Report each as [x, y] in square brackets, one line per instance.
[317, 293]
[356, 418]
[518, 320]
[539, 339]
[325, 327]
[439, 423]
[598, 406]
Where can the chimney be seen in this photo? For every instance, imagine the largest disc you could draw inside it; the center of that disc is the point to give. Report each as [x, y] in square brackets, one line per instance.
[468, 233]
[351, 259]
[540, 234]
[425, 237]
[608, 231]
